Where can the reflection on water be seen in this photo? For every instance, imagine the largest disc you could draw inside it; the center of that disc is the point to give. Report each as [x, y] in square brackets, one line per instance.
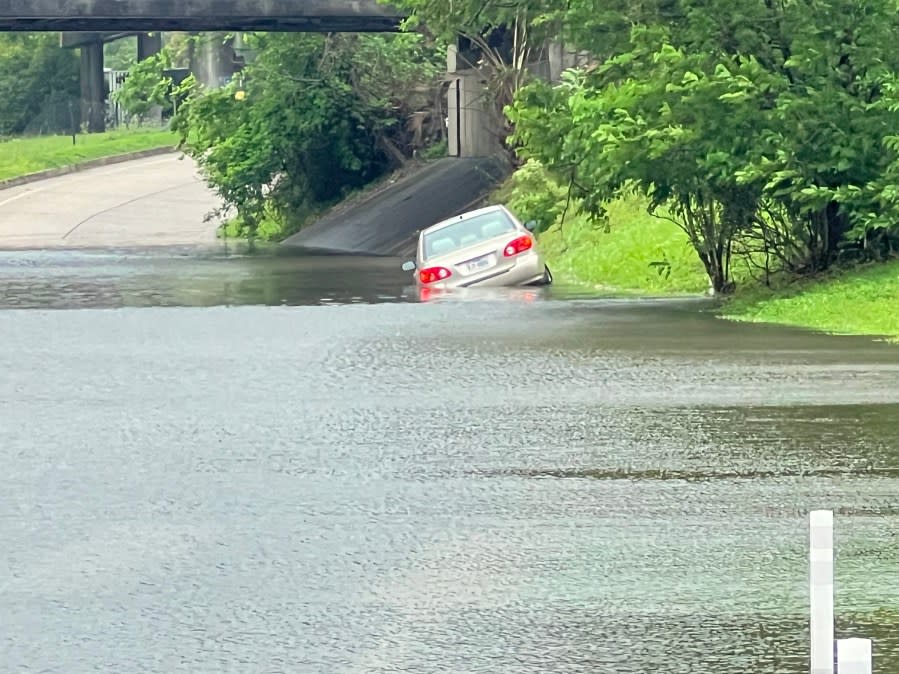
[191, 277]
[188, 276]
[521, 294]
[390, 485]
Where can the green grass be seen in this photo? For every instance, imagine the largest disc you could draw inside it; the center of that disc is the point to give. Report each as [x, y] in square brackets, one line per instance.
[622, 258]
[861, 300]
[21, 156]
[856, 301]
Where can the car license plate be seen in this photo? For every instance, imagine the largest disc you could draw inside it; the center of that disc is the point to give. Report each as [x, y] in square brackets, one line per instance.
[481, 263]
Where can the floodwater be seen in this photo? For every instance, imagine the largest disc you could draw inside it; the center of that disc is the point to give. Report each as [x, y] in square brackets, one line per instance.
[279, 463]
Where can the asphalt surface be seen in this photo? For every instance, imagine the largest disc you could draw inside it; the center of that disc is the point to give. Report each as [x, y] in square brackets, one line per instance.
[387, 222]
[154, 201]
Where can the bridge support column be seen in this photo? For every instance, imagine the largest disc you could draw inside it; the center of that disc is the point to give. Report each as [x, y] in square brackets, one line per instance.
[470, 129]
[212, 59]
[93, 90]
[148, 44]
[560, 58]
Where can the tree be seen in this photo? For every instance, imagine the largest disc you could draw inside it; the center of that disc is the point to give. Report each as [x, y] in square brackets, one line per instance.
[826, 147]
[147, 86]
[309, 118]
[671, 133]
[39, 86]
[120, 54]
[756, 124]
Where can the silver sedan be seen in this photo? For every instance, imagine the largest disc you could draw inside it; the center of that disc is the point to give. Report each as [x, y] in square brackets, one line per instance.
[486, 247]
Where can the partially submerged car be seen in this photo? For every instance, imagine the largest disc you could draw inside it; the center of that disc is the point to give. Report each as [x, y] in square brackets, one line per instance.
[486, 247]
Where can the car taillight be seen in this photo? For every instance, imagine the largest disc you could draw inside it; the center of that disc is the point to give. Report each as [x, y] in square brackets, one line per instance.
[434, 274]
[519, 245]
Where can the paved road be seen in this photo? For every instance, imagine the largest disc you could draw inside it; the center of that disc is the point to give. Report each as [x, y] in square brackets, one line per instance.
[153, 201]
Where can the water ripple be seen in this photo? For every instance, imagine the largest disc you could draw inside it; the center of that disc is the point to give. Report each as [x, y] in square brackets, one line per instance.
[457, 486]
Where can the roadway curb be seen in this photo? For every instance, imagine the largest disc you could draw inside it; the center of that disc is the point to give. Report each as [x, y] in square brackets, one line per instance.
[83, 166]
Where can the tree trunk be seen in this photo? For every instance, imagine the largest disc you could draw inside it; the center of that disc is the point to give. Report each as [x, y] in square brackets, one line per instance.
[716, 268]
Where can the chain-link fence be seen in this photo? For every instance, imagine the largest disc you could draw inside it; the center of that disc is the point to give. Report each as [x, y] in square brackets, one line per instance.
[64, 114]
[70, 115]
[60, 114]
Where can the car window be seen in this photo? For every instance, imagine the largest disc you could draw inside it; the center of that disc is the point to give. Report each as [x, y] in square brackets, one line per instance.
[466, 233]
[442, 245]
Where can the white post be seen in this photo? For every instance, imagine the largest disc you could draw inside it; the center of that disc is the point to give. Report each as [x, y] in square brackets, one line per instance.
[854, 656]
[821, 590]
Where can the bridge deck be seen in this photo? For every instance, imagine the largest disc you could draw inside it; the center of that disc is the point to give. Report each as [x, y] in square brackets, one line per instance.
[198, 15]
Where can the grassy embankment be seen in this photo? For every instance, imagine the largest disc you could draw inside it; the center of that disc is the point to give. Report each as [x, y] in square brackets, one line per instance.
[636, 254]
[861, 300]
[22, 156]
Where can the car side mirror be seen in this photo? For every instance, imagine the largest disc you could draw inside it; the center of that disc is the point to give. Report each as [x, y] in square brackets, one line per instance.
[531, 225]
[409, 266]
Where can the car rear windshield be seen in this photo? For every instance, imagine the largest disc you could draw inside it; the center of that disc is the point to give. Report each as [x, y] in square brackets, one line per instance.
[466, 233]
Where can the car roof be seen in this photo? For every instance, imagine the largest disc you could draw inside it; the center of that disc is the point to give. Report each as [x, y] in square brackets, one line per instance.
[462, 217]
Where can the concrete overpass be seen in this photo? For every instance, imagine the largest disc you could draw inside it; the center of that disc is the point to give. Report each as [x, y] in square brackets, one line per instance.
[198, 15]
[87, 24]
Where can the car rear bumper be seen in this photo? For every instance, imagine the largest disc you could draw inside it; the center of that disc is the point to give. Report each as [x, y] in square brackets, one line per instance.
[529, 269]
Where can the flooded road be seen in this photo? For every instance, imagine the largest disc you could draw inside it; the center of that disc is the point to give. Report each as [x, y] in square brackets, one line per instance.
[261, 463]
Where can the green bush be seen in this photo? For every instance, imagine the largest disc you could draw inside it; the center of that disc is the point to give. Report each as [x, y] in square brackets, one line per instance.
[39, 85]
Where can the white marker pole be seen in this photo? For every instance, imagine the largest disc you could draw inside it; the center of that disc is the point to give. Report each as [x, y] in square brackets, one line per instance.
[821, 590]
[854, 656]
